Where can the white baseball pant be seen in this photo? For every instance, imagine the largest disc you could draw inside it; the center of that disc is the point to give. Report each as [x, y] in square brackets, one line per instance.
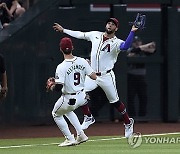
[62, 105]
[107, 82]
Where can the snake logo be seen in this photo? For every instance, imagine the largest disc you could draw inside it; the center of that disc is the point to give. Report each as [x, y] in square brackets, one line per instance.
[135, 140]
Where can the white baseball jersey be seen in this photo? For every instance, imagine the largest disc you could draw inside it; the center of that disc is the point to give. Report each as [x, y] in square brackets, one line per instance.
[103, 53]
[71, 73]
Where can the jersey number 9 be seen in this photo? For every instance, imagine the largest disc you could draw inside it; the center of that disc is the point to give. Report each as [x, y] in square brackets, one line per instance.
[76, 78]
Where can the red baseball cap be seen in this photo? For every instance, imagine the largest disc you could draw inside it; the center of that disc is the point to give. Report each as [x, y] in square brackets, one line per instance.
[66, 44]
[114, 20]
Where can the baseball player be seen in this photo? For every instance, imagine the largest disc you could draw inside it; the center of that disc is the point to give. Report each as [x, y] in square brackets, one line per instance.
[105, 49]
[70, 78]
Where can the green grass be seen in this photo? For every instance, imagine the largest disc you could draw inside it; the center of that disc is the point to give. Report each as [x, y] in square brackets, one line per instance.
[95, 145]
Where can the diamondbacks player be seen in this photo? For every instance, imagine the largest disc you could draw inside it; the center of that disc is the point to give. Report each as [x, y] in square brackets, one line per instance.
[105, 49]
[70, 78]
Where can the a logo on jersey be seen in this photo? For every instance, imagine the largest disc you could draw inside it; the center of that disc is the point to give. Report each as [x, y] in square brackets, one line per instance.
[56, 76]
[106, 48]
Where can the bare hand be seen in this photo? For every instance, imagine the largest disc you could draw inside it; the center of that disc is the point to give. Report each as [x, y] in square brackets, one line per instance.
[58, 28]
[134, 28]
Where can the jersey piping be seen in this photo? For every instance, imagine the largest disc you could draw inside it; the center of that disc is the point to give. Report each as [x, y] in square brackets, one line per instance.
[114, 85]
[98, 52]
[60, 105]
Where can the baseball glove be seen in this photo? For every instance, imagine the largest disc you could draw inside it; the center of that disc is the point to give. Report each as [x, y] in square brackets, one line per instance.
[50, 84]
[139, 21]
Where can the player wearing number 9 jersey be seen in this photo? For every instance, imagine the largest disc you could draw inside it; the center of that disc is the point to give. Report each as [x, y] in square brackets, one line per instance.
[72, 72]
[69, 78]
[104, 52]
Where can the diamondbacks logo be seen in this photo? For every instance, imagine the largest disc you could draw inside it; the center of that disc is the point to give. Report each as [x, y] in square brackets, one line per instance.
[107, 48]
[135, 140]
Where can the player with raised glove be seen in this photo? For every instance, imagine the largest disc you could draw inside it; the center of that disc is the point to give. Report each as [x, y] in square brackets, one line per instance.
[139, 21]
[104, 52]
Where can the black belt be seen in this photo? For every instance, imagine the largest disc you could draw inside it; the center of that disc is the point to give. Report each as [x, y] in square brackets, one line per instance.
[74, 93]
[100, 73]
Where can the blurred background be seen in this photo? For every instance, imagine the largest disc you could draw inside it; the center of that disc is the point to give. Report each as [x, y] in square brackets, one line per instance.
[31, 50]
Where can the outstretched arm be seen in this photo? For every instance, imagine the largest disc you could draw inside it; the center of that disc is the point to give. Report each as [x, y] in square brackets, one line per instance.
[139, 23]
[77, 34]
[125, 45]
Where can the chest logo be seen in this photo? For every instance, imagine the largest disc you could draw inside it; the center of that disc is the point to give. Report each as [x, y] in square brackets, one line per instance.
[106, 48]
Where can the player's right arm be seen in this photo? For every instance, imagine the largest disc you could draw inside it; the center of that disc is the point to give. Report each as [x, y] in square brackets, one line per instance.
[57, 82]
[90, 72]
[77, 34]
[93, 76]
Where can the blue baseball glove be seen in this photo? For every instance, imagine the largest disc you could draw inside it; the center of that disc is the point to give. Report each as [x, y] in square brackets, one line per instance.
[139, 22]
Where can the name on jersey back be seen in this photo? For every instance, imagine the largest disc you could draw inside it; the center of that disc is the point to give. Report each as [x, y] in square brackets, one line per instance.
[74, 67]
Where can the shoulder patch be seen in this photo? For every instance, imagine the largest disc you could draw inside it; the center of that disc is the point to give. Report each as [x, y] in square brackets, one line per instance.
[56, 76]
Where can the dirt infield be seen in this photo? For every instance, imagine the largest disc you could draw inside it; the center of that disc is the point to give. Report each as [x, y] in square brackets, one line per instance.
[97, 129]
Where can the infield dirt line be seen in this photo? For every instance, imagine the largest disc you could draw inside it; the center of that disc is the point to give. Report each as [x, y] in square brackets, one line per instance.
[105, 139]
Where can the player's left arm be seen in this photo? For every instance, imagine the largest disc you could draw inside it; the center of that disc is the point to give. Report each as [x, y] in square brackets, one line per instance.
[139, 23]
[125, 45]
